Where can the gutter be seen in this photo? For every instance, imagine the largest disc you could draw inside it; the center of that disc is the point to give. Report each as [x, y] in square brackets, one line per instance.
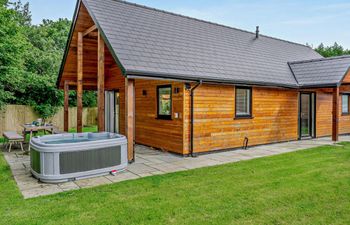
[184, 78]
[192, 114]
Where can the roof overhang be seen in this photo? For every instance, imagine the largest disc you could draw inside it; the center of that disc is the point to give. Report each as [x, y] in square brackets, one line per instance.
[70, 36]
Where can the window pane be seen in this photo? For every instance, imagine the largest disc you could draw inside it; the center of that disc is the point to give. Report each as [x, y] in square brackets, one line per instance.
[345, 103]
[164, 99]
[242, 102]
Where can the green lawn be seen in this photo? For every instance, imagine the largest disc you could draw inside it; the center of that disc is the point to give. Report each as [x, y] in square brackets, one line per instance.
[85, 129]
[305, 187]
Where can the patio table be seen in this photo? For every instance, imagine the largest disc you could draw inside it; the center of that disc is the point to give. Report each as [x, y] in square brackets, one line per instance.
[32, 128]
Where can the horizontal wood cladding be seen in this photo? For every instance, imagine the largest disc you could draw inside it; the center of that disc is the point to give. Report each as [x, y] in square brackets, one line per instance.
[324, 113]
[84, 22]
[346, 79]
[275, 118]
[158, 133]
[115, 81]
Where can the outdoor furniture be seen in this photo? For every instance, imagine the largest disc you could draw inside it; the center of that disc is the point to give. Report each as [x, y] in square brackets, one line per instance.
[28, 128]
[11, 137]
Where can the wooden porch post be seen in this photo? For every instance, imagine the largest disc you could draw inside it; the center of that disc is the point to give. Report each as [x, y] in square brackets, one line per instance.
[66, 106]
[335, 115]
[130, 116]
[80, 83]
[101, 84]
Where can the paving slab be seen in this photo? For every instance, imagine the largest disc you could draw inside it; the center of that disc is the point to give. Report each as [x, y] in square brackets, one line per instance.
[41, 191]
[68, 186]
[92, 182]
[122, 177]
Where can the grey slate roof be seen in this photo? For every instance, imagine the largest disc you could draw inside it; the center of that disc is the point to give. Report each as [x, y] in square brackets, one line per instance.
[327, 71]
[158, 43]
[155, 43]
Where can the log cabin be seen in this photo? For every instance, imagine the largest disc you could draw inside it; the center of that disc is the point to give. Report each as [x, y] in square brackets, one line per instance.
[189, 86]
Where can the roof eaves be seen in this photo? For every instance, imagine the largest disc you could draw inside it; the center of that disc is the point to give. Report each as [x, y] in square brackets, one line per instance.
[320, 59]
[69, 40]
[114, 55]
[342, 79]
[327, 85]
[139, 74]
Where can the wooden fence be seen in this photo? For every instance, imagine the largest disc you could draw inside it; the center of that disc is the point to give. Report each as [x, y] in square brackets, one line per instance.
[12, 116]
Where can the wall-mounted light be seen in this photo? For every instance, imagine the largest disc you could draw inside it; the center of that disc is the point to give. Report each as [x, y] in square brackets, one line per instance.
[187, 86]
[176, 90]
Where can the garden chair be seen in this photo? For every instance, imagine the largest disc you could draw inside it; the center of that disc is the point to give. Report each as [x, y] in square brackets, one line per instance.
[11, 138]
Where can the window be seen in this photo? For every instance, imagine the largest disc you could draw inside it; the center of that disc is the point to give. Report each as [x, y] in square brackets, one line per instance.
[243, 102]
[164, 100]
[345, 103]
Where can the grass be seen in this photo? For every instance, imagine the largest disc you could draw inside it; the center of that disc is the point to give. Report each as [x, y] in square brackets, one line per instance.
[85, 129]
[305, 187]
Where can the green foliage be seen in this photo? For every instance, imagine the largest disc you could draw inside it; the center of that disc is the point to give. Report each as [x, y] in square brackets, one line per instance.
[330, 51]
[12, 46]
[30, 57]
[89, 98]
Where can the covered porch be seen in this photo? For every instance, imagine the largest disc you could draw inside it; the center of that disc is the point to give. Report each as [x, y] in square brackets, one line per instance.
[89, 65]
[323, 96]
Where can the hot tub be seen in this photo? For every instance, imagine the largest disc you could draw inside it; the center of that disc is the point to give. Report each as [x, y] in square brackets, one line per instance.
[65, 157]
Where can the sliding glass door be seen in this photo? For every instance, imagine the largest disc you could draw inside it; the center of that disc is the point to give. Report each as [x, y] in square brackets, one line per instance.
[307, 115]
[112, 111]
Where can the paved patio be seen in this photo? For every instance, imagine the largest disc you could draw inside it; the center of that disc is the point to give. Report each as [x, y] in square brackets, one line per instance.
[151, 162]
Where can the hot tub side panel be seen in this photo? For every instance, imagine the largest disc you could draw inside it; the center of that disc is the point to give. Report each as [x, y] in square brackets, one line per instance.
[69, 162]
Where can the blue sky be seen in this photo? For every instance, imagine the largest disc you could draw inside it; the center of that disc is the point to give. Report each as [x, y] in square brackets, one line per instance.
[307, 21]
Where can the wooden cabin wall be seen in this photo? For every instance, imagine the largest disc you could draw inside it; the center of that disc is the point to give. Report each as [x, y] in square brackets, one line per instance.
[324, 103]
[158, 133]
[150, 131]
[323, 113]
[115, 81]
[84, 22]
[344, 121]
[275, 118]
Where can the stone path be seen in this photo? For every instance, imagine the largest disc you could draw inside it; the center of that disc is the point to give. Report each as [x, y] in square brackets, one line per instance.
[148, 163]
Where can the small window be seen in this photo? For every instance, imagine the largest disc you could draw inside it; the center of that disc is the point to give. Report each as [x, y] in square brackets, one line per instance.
[345, 104]
[243, 102]
[164, 100]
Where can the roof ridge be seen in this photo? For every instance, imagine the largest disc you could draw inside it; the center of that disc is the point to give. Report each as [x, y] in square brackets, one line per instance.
[209, 22]
[320, 59]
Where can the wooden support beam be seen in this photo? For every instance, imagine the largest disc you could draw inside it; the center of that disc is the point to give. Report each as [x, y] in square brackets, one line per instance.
[89, 30]
[335, 114]
[130, 116]
[66, 106]
[80, 83]
[101, 84]
[85, 84]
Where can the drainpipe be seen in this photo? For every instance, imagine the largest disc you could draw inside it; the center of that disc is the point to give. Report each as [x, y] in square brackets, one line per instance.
[192, 114]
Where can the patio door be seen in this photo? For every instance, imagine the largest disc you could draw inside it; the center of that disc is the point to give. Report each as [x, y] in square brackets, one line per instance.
[112, 111]
[307, 115]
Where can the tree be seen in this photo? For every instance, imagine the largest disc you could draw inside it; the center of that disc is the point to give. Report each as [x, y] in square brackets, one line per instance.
[12, 46]
[30, 58]
[329, 51]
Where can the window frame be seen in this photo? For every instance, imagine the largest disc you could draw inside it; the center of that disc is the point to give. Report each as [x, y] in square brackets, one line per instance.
[250, 102]
[345, 113]
[165, 117]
